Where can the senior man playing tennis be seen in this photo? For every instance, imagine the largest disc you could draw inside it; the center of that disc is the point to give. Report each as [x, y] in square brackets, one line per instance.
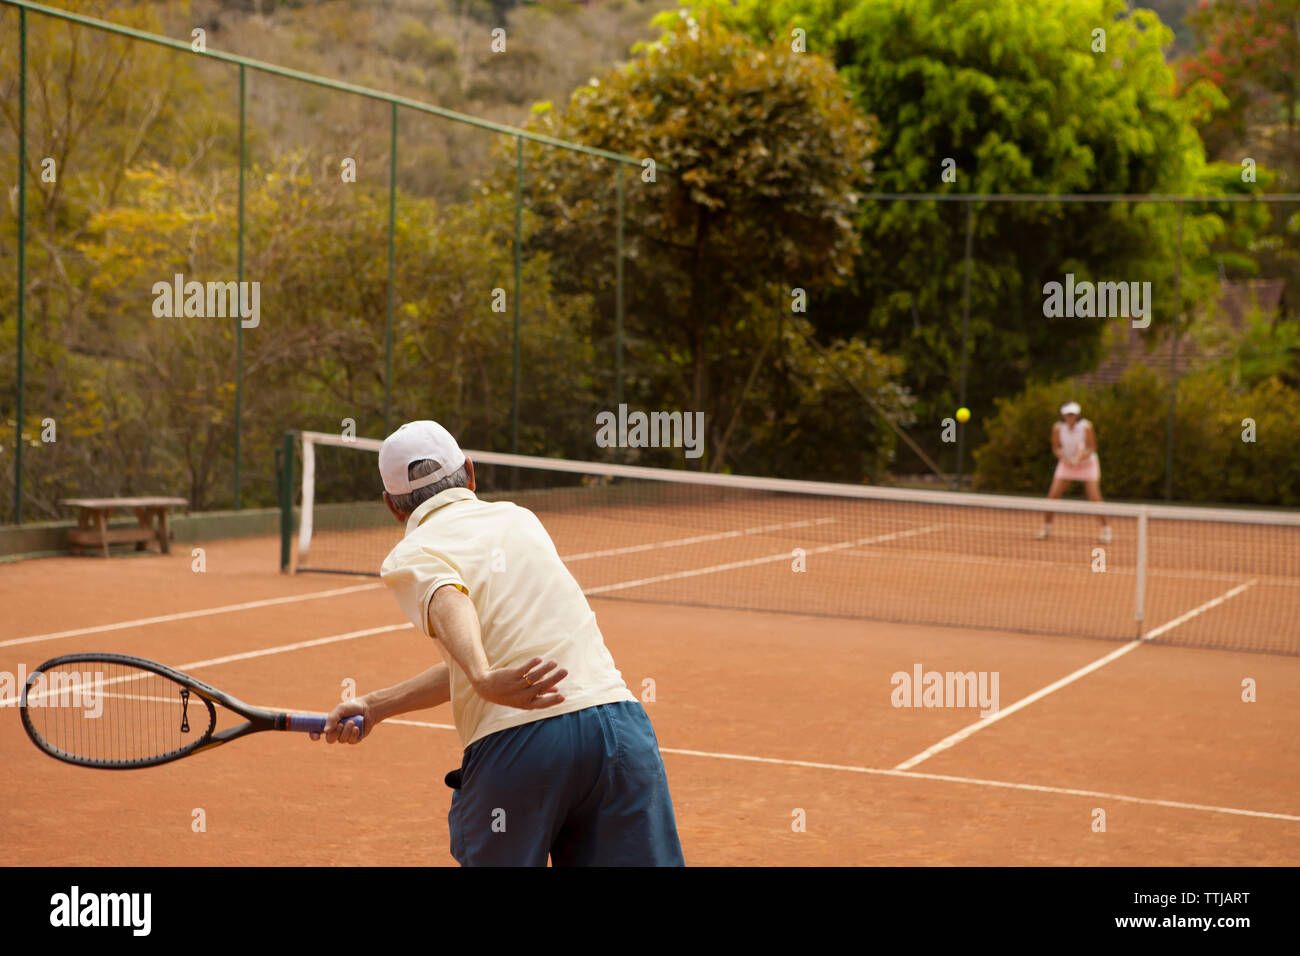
[558, 761]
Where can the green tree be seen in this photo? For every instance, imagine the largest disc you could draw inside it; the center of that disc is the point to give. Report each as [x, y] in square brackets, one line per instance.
[317, 356]
[1012, 92]
[1247, 66]
[766, 151]
[1250, 49]
[98, 106]
[1213, 461]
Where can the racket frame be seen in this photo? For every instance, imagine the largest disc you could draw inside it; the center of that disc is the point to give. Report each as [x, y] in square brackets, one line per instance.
[257, 719]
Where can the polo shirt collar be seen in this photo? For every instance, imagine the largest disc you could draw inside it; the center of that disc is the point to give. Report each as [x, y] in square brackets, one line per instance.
[439, 500]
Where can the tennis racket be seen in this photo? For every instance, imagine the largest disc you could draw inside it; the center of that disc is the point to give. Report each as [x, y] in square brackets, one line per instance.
[118, 712]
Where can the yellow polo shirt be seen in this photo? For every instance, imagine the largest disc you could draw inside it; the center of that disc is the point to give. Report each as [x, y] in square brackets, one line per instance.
[528, 603]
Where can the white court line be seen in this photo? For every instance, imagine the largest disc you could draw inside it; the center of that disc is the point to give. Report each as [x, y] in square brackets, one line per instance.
[46, 694]
[1194, 612]
[262, 652]
[979, 782]
[935, 556]
[391, 720]
[766, 559]
[697, 539]
[419, 723]
[188, 615]
[248, 655]
[152, 698]
[896, 772]
[947, 778]
[1076, 565]
[332, 639]
[983, 722]
[334, 592]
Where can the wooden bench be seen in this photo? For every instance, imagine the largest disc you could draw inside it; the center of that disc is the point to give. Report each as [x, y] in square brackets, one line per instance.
[93, 533]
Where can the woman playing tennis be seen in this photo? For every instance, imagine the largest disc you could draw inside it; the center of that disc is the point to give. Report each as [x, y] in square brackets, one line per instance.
[1075, 445]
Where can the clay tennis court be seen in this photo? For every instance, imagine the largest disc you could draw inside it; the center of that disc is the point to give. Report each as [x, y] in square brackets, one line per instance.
[760, 715]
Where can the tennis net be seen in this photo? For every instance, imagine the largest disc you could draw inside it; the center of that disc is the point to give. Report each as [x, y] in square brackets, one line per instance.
[1205, 577]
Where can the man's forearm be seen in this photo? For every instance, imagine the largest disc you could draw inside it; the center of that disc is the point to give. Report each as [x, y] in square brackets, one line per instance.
[454, 624]
[423, 691]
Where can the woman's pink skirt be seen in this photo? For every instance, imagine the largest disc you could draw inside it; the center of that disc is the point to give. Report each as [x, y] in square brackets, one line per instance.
[1087, 470]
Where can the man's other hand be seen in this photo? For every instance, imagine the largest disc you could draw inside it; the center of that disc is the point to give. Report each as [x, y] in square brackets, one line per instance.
[528, 688]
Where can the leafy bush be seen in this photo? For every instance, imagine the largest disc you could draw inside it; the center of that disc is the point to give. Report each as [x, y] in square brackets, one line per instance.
[415, 41]
[1212, 461]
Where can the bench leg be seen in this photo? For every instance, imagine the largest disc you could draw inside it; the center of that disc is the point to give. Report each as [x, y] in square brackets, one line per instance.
[83, 524]
[164, 531]
[101, 525]
[144, 518]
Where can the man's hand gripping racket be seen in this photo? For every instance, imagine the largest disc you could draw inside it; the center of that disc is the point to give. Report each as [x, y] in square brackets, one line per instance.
[117, 712]
[348, 723]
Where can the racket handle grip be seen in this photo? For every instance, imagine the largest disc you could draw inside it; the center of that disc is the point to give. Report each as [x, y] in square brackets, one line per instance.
[313, 724]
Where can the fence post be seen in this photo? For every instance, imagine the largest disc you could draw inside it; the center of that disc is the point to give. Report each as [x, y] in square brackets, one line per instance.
[519, 213]
[239, 321]
[22, 256]
[618, 310]
[1173, 359]
[285, 456]
[965, 333]
[388, 322]
[1140, 599]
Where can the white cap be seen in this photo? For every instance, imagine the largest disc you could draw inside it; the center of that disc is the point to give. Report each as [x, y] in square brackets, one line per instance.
[1070, 408]
[416, 441]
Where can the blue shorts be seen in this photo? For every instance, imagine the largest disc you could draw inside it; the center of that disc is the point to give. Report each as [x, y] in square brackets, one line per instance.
[587, 788]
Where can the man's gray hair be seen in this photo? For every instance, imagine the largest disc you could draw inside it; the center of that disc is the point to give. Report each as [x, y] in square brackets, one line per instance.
[420, 469]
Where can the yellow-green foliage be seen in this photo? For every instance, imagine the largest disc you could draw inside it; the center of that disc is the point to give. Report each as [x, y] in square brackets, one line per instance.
[1212, 462]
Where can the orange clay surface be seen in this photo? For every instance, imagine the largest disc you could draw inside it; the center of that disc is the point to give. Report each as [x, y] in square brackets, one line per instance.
[760, 716]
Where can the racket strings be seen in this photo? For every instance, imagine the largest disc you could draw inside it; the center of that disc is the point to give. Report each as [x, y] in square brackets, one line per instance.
[106, 713]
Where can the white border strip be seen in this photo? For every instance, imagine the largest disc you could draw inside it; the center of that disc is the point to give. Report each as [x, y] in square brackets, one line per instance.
[296, 646]
[188, 615]
[751, 562]
[1037, 695]
[260, 652]
[896, 772]
[831, 489]
[980, 782]
[920, 775]
[959, 736]
[1197, 611]
[696, 539]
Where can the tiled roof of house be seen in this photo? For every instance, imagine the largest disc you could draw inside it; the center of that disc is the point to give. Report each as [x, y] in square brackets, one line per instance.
[1128, 346]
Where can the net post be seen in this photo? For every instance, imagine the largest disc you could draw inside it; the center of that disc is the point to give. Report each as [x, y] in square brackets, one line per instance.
[1139, 602]
[22, 259]
[307, 519]
[285, 455]
[239, 275]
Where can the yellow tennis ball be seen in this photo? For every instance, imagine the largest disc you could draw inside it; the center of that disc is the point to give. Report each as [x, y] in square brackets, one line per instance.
[963, 414]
